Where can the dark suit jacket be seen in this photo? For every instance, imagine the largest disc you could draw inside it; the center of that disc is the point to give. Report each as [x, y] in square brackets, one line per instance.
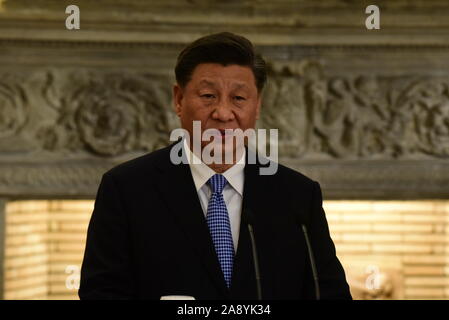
[148, 237]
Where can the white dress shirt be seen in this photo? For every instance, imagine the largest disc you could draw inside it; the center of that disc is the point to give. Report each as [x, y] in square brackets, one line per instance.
[232, 192]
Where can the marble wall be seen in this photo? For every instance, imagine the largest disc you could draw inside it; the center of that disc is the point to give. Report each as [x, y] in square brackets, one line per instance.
[365, 112]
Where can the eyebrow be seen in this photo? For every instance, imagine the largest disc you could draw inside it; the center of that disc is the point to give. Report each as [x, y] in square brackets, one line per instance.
[207, 82]
[241, 86]
[212, 84]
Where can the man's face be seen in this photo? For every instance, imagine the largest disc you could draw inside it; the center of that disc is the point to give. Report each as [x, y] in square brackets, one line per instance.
[221, 97]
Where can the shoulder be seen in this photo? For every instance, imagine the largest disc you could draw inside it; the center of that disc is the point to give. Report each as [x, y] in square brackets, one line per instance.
[284, 175]
[292, 191]
[296, 185]
[287, 184]
[290, 175]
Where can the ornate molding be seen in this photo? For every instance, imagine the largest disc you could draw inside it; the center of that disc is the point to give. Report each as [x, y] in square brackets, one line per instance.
[367, 179]
[13, 104]
[339, 180]
[84, 112]
[265, 22]
[360, 135]
[355, 110]
[357, 116]
[293, 50]
[51, 180]
[111, 114]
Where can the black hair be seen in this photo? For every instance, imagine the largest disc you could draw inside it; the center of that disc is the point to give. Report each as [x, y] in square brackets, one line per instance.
[224, 48]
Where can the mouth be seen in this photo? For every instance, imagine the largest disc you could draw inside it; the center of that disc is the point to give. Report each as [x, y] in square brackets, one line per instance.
[225, 134]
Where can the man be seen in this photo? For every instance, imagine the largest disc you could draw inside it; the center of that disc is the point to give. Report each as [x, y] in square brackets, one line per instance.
[217, 230]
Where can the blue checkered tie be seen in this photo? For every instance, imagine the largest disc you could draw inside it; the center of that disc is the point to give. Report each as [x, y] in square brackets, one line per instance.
[219, 226]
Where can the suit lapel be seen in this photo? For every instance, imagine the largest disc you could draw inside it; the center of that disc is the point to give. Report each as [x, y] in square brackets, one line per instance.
[255, 195]
[178, 190]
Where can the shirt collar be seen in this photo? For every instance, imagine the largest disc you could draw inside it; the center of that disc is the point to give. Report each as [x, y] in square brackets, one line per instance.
[202, 173]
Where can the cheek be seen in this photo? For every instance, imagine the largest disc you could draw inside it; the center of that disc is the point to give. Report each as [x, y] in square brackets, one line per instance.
[190, 107]
[195, 110]
[247, 118]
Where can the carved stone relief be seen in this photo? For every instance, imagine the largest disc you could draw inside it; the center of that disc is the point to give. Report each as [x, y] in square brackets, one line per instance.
[357, 116]
[318, 117]
[13, 104]
[60, 121]
[104, 114]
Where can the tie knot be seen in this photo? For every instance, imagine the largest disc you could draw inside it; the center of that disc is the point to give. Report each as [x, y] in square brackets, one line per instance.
[217, 183]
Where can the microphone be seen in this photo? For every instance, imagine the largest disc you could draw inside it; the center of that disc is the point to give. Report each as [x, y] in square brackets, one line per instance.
[312, 260]
[249, 220]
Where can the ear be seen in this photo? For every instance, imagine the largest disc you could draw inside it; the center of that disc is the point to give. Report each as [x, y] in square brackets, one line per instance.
[177, 97]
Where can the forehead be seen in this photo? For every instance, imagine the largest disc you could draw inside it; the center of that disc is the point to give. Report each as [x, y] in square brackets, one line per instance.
[213, 74]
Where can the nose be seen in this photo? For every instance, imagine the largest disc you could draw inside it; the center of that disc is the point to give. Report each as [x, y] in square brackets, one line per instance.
[223, 112]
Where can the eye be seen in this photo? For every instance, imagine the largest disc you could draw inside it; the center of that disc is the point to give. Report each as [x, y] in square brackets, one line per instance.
[208, 96]
[239, 98]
